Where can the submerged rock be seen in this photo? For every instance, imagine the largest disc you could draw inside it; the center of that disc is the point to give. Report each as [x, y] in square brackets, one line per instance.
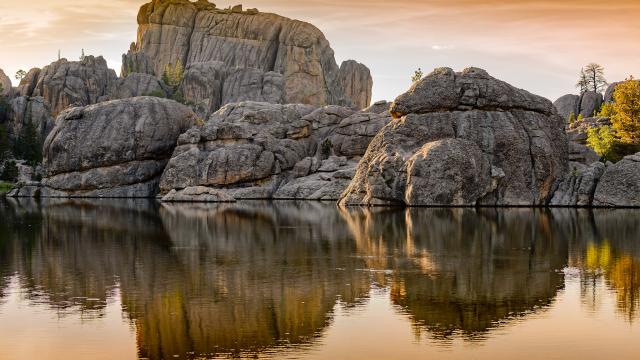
[113, 149]
[197, 194]
[463, 139]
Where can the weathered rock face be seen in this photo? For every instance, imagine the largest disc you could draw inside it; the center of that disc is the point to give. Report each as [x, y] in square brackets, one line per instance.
[620, 184]
[29, 82]
[379, 107]
[113, 149]
[24, 110]
[202, 86]
[265, 43]
[586, 104]
[463, 139]
[138, 84]
[567, 105]
[65, 83]
[262, 150]
[590, 103]
[6, 84]
[356, 80]
[579, 184]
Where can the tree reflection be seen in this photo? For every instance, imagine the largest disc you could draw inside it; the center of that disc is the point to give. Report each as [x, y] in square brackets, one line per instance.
[253, 277]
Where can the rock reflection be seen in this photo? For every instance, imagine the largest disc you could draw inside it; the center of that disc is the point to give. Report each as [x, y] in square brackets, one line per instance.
[464, 270]
[252, 277]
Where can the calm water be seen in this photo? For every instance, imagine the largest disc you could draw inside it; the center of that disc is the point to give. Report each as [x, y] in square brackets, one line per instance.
[135, 279]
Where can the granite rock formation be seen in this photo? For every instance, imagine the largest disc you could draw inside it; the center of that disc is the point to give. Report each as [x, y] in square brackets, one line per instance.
[72, 83]
[587, 104]
[23, 110]
[5, 81]
[113, 149]
[619, 186]
[463, 139]
[262, 44]
[263, 150]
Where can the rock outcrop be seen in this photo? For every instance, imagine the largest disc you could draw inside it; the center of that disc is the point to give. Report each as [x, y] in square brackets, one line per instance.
[5, 82]
[579, 185]
[65, 83]
[34, 110]
[463, 139]
[608, 94]
[356, 81]
[587, 104]
[260, 44]
[263, 150]
[619, 186]
[113, 149]
[567, 105]
[139, 84]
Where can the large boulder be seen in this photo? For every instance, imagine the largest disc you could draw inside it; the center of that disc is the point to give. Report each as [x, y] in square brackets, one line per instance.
[567, 105]
[578, 185]
[263, 150]
[463, 139]
[65, 83]
[113, 149]
[620, 184]
[192, 33]
[139, 84]
[5, 82]
[590, 103]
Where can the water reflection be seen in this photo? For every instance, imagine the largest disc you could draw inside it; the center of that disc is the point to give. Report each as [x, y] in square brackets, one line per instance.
[258, 277]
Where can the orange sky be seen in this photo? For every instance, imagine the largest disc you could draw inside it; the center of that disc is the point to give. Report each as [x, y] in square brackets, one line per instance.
[538, 45]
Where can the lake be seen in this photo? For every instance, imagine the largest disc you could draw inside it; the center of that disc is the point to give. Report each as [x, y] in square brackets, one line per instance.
[128, 279]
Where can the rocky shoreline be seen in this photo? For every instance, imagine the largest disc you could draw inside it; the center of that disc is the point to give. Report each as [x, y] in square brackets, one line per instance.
[266, 113]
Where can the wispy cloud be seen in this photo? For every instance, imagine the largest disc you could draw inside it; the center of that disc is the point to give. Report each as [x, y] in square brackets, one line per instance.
[536, 44]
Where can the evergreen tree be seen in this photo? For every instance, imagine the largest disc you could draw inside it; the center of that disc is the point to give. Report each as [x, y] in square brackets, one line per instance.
[583, 82]
[417, 75]
[595, 77]
[4, 144]
[27, 145]
[9, 172]
[82, 55]
[20, 74]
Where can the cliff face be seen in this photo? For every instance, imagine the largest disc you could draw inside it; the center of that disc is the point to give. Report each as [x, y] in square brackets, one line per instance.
[196, 33]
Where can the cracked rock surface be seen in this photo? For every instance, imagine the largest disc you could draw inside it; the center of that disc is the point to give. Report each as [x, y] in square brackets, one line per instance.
[261, 150]
[463, 139]
[113, 149]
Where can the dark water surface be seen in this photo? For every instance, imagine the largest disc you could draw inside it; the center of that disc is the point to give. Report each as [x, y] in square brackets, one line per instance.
[306, 280]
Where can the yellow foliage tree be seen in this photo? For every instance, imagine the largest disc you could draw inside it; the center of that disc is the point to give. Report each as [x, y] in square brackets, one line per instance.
[626, 117]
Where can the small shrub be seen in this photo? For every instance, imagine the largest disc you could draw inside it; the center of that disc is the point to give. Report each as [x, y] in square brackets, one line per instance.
[417, 75]
[326, 147]
[572, 118]
[580, 117]
[607, 110]
[9, 172]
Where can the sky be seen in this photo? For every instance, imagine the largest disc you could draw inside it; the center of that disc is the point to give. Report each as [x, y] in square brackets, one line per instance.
[537, 45]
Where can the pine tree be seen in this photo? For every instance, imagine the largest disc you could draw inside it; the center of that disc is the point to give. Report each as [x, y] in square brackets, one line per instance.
[583, 82]
[417, 75]
[82, 55]
[27, 145]
[595, 77]
[9, 172]
[4, 144]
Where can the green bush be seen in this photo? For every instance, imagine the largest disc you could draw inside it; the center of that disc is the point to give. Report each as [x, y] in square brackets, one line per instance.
[605, 142]
[326, 147]
[9, 172]
[28, 145]
[572, 118]
[157, 93]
